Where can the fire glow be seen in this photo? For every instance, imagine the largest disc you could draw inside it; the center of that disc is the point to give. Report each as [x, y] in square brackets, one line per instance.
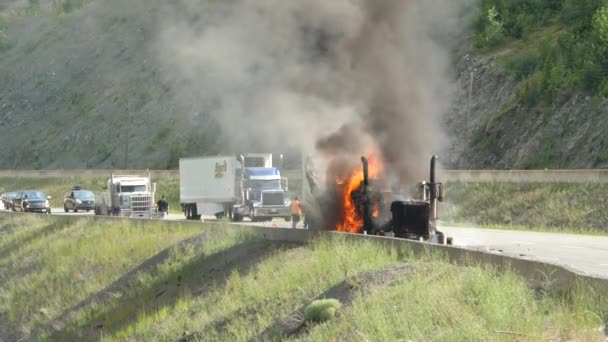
[352, 222]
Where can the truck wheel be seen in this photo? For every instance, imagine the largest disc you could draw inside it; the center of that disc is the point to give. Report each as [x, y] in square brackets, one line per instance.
[237, 218]
[187, 212]
[65, 208]
[75, 210]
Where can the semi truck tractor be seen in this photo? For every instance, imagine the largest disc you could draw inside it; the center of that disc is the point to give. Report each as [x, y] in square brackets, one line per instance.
[235, 187]
[127, 196]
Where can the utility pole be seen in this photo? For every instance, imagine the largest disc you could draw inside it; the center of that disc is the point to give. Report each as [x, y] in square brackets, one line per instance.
[465, 154]
[128, 129]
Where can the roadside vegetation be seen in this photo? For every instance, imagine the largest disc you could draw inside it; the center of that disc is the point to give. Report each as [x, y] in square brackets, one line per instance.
[231, 286]
[553, 207]
[569, 55]
[49, 265]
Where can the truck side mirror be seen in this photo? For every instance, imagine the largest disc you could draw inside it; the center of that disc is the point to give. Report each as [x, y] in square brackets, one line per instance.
[153, 188]
[285, 184]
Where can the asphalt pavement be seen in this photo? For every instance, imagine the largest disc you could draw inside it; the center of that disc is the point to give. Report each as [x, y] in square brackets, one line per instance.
[583, 253]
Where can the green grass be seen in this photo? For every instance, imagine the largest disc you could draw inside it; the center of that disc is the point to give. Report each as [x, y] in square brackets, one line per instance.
[52, 263]
[552, 207]
[48, 264]
[439, 302]
[470, 304]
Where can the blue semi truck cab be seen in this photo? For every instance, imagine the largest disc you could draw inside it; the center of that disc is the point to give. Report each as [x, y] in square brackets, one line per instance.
[264, 195]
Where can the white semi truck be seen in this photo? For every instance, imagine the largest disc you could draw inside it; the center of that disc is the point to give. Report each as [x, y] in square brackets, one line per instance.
[127, 196]
[233, 187]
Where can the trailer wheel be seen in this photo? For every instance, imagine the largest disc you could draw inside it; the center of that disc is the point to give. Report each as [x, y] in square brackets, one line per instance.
[237, 218]
[187, 210]
[194, 213]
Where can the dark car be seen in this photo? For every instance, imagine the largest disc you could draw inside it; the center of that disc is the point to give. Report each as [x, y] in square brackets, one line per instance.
[32, 201]
[79, 200]
[7, 199]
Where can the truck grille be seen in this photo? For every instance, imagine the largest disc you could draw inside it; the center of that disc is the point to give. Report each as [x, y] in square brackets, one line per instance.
[140, 203]
[272, 198]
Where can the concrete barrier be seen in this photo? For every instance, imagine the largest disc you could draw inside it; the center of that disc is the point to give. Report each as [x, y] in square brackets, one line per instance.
[538, 273]
[83, 173]
[515, 176]
[525, 176]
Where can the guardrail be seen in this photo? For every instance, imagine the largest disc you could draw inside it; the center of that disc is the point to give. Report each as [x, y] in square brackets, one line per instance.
[514, 176]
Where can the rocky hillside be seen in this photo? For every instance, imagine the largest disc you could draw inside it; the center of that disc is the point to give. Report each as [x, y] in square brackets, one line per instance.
[540, 81]
[504, 133]
[80, 82]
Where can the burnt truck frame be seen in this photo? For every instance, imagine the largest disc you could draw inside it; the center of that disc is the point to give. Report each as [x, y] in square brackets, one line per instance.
[411, 219]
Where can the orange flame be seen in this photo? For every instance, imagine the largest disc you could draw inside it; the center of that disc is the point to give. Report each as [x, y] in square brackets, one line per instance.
[351, 221]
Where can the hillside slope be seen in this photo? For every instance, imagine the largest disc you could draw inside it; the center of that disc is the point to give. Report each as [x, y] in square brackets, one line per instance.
[539, 86]
[82, 79]
[75, 83]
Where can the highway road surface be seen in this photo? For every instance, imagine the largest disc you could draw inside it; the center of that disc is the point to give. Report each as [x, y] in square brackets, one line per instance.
[584, 253]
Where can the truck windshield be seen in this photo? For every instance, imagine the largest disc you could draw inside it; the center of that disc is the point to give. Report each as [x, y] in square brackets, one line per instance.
[255, 162]
[132, 188]
[274, 184]
[86, 195]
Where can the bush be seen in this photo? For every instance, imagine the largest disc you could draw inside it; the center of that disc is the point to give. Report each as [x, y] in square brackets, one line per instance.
[523, 65]
[321, 311]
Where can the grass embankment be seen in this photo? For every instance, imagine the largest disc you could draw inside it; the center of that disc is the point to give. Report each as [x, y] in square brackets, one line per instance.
[553, 207]
[48, 265]
[194, 295]
[58, 187]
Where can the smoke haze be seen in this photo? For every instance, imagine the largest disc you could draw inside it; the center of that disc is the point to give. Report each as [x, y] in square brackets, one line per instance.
[340, 77]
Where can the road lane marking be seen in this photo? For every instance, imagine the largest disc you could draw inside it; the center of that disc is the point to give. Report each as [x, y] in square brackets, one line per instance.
[573, 247]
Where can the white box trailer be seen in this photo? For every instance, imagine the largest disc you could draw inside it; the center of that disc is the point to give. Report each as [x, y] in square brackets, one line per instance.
[208, 186]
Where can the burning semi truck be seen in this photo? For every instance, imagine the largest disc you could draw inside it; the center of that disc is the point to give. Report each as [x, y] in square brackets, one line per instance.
[363, 202]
